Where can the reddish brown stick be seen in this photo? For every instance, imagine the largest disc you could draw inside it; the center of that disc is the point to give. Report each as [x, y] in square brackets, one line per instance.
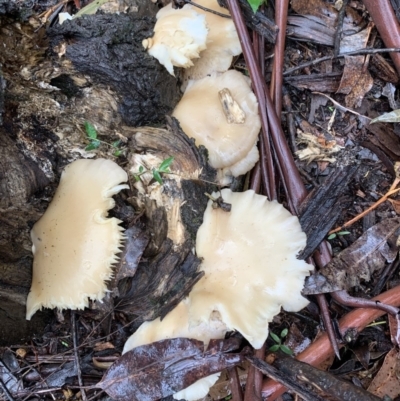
[386, 22]
[321, 349]
[281, 12]
[254, 379]
[236, 388]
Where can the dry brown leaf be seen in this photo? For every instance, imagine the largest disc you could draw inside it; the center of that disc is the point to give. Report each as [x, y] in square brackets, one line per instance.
[386, 381]
[375, 248]
[157, 370]
[396, 205]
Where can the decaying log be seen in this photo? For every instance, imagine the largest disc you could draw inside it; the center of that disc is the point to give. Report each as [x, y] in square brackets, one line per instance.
[109, 49]
[323, 206]
[94, 70]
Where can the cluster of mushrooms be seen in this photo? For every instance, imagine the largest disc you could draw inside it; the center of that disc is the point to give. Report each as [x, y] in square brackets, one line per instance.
[249, 254]
[218, 108]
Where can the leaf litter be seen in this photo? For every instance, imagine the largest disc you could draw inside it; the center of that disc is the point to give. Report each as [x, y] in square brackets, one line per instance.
[157, 370]
[378, 249]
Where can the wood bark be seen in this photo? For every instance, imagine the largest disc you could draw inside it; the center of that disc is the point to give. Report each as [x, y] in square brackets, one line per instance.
[90, 69]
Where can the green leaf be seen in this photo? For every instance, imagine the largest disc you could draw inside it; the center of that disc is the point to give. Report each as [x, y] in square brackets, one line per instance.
[91, 8]
[332, 236]
[343, 233]
[118, 153]
[286, 350]
[274, 348]
[284, 333]
[157, 176]
[115, 144]
[275, 337]
[94, 144]
[136, 177]
[254, 4]
[165, 164]
[141, 169]
[90, 130]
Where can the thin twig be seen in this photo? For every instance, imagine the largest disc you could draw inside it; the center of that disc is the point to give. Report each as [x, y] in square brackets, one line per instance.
[326, 58]
[236, 389]
[374, 206]
[326, 317]
[339, 29]
[255, 379]
[76, 354]
[281, 12]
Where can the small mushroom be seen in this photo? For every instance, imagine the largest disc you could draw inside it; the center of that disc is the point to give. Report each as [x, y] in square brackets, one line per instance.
[202, 117]
[74, 243]
[179, 36]
[175, 325]
[222, 43]
[250, 264]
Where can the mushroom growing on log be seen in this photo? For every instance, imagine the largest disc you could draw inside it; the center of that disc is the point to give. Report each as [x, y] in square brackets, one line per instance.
[45, 98]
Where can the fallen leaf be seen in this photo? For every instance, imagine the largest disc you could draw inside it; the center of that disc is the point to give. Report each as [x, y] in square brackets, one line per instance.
[385, 139]
[157, 370]
[386, 381]
[392, 117]
[375, 248]
[396, 205]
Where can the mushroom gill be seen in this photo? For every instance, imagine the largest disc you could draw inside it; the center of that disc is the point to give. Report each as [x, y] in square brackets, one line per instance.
[74, 243]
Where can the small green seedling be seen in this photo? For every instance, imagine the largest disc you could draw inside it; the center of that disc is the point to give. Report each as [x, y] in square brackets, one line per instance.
[278, 340]
[334, 235]
[95, 143]
[255, 4]
[163, 168]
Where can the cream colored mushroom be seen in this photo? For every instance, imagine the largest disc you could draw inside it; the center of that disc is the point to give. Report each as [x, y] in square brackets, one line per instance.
[179, 36]
[74, 243]
[174, 325]
[202, 117]
[222, 43]
[250, 264]
[224, 176]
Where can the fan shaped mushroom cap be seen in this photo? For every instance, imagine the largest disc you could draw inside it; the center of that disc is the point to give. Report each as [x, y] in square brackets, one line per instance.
[174, 325]
[250, 264]
[224, 176]
[222, 43]
[201, 117]
[179, 36]
[74, 243]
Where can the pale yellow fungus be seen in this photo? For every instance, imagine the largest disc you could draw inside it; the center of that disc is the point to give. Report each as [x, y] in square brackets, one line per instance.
[201, 116]
[251, 271]
[222, 43]
[250, 264]
[179, 36]
[74, 243]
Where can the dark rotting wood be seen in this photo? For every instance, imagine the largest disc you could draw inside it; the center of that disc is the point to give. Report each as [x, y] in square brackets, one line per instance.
[323, 206]
[323, 383]
[284, 379]
[108, 48]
